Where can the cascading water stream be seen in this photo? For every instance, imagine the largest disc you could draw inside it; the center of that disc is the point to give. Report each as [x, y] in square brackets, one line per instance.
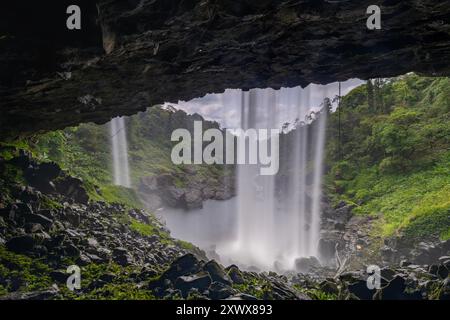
[275, 229]
[119, 146]
[273, 220]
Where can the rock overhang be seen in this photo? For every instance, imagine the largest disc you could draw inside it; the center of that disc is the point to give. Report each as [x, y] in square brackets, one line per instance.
[131, 55]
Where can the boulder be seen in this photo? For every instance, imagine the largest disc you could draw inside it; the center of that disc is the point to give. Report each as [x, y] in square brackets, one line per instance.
[444, 293]
[148, 184]
[21, 244]
[72, 216]
[121, 256]
[307, 265]
[405, 263]
[200, 281]
[442, 272]
[219, 290]
[49, 170]
[33, 227]
[33, 295]
[426, 252]
[224, 193]
[72, 188]
[343, 214]
[217, 272]
[433, 269]
[59, 276]
[235, 274]
[174, 197]
[395, 290]
[40, 219]
[39, 179]
[329, 286]
[139, 215]
[360, 290]
[185, 265]
[193, 199]
[445, 260]
[242, 296]
[71, 250]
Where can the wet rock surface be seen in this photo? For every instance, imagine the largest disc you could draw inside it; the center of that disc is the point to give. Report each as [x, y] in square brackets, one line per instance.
[347, 241]
[167, 190]
[190, 277]
[412, 282]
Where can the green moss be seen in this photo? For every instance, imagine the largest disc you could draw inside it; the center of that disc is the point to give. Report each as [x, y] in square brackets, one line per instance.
[119, 194]
[185, 245]
[21, 273]
[435, 221]
[24, 274]
[254, 286]
[445, 235]
[124, 291]
[120, 287]
[49, 203]
[144, 229]
[316, 294]
[149, 230]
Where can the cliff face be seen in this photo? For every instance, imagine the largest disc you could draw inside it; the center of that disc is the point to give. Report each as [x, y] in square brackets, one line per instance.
[130, 55]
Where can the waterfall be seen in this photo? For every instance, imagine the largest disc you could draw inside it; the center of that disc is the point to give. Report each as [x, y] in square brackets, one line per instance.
[278, 217]
[273, 220]
[121, 171]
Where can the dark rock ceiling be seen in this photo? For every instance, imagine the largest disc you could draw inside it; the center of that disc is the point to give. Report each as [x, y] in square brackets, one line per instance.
[130, 55]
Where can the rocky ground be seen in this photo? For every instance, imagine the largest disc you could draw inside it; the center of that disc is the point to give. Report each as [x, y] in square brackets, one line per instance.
[123, 253]
[48, 222]
[348, 247]
[405, 282]
[353, 237]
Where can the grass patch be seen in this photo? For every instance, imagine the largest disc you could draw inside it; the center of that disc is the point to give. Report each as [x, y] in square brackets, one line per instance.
[21, 273]
[445, 235]
[122, 195]
[417, 203]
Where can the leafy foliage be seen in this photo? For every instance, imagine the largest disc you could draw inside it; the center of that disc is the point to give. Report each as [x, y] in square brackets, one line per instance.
[395, 161]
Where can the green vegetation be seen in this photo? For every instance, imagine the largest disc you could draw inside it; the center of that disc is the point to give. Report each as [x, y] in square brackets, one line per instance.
[19, 273]
[84, 152]
[151, 230]
[395, 150]
[254, 287]
[149, 141]
[146, 229]
[315, 294]
[22, 273]
[119, 287]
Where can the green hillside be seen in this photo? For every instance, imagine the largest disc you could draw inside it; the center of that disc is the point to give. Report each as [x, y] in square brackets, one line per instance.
[393, 160]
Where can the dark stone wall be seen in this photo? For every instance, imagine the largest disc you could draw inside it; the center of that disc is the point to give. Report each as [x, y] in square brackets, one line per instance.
[133, 54]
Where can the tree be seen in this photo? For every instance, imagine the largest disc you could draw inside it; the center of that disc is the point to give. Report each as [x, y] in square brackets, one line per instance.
[378, 95]
[370, 100]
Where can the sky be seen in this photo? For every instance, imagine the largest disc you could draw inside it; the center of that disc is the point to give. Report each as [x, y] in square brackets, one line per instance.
[225, 108]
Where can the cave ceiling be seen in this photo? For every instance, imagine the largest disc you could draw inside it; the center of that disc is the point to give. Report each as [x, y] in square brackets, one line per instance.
[130, 55]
